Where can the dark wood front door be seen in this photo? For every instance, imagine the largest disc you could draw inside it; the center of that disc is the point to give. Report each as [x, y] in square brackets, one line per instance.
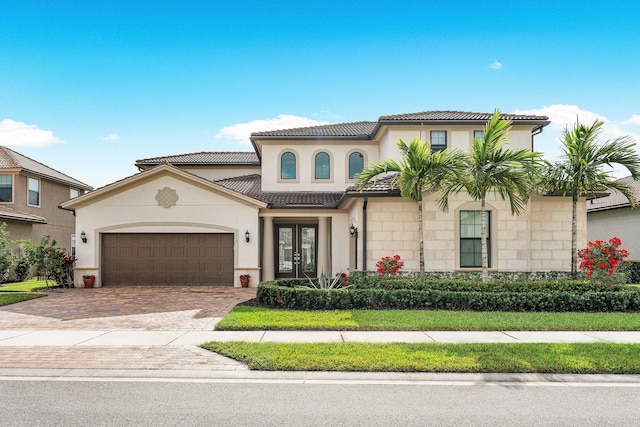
[296, 250]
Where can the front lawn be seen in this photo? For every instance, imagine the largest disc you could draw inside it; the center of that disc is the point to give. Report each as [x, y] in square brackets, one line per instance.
[582, 358]
[255, 318]
[12, 298]
[31, 285]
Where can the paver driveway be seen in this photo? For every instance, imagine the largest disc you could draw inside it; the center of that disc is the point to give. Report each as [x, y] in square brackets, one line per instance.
[131, 308]
[126, 308]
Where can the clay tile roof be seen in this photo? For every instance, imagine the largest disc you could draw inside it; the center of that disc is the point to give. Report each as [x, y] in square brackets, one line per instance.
[6, 213]
[615, 199]
[381, 184]
[457, 116]
[10, 159]
[354, 129]
[206, 158]
[250, 185]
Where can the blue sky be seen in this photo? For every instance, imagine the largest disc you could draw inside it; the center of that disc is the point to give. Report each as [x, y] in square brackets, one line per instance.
[90, 87]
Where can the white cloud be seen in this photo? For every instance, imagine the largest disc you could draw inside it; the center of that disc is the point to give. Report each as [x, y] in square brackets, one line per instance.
[634, 120]
[19, 134]
[565, 116]
[497, 65]
[242, 131]
[112, 137]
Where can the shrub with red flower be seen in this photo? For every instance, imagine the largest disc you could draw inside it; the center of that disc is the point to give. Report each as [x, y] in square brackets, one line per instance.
[389, 265]
[601, 256]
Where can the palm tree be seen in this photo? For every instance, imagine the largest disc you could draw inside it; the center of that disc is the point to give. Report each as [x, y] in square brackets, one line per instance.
[581, 170]
[417, 171]
[488, 166]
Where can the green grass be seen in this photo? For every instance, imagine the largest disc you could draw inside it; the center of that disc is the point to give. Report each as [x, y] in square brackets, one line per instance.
[253, 318]
[12, 298]
[28, 286]
[582, 358]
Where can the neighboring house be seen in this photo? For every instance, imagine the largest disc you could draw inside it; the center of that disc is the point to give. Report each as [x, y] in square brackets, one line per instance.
[30, 193]
[290, 209]
[612, 216]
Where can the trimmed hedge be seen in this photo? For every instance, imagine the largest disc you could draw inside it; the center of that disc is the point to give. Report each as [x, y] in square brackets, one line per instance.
[273, 294]
[456, 285]
[631, 270]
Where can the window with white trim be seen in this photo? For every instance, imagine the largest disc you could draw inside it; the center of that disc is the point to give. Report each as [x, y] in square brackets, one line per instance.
[6, 188]
[470, 244]
[33, 196]
[356, 164]
[322, 166]
[288, 166]
[438, 140]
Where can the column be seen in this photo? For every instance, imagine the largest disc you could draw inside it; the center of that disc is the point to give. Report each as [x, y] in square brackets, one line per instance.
[268, 259]
[323, 247]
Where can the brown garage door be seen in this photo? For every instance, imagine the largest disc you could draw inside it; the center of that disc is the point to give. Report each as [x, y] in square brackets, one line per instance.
[167, 259]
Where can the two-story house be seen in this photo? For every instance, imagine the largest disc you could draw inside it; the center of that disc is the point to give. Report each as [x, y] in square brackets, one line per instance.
[30, 193]
[290, 209]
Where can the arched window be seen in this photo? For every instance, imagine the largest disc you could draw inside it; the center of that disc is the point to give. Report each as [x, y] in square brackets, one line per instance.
[323, 170]
[288, 166]
[356, 164]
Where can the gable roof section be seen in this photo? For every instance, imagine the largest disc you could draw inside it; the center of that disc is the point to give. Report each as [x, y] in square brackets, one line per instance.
[231, 158]
[8, 214]
[250, 185]
[123, 184]
[615, 199]
[10, 159]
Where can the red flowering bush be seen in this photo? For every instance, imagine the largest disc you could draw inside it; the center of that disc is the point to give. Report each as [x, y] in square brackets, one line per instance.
[344, 279]
[601, 256]
[389, 265]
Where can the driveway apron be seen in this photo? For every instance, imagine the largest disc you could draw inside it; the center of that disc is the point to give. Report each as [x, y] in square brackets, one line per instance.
[122, 308]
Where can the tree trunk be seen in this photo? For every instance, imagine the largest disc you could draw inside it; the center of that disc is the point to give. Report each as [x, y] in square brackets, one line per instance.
[574, 237]
[483, 241]
[421, 239]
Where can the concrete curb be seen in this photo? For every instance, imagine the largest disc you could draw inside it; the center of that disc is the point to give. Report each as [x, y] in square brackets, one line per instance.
[311, 377]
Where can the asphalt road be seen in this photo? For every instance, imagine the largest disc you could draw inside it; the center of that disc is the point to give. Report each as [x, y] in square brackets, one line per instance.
[124, 402]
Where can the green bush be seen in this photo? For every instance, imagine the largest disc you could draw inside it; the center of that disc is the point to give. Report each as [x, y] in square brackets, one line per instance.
[22, 269]
[457, 285]
[631, 270]
[273, 294]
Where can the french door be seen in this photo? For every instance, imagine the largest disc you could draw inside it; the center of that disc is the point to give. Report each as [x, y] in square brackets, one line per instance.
[296, 250]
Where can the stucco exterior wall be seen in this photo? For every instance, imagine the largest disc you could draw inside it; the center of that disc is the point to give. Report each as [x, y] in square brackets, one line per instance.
[305, 153]
[60, 223]
[458, 137]
[622, 222]
[198, 210]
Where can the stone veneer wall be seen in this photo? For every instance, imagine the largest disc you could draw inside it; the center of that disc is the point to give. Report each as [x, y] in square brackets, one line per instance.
[537, 240]
[392, 228]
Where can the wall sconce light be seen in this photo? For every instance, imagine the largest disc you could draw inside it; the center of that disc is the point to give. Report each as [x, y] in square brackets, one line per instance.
[246, 236]
[83, 237]
[353, 231]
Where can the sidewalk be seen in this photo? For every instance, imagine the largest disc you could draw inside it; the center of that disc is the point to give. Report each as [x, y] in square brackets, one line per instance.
[174, 355]
[93, 338]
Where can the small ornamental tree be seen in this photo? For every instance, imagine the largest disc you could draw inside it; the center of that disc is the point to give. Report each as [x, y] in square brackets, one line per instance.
[51, 262]
[601, 256]
[389, 265]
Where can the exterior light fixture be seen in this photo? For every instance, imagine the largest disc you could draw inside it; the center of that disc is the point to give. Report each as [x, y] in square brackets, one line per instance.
[83, 237]
[353, 231]
[246, 236]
